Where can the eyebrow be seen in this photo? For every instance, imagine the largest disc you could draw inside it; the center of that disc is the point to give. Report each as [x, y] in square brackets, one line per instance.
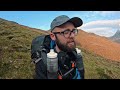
[59, 30]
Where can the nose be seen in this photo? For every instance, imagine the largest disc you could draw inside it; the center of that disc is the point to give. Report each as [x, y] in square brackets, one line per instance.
[72, 35]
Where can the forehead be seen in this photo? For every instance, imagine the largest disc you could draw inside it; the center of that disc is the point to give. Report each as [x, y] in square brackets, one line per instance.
[67, 25]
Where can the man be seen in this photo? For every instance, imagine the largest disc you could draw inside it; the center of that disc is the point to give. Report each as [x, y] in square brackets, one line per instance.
[63, 32]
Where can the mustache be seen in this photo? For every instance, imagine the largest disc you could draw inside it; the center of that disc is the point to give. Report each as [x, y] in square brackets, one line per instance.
[71, 41]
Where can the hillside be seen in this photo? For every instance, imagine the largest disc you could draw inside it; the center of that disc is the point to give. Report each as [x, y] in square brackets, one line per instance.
[15, 59]
[15, 44]
[99, 45]
[97, 67]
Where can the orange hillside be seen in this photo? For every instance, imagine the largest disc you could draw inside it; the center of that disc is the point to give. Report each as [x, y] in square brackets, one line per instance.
[99, 45]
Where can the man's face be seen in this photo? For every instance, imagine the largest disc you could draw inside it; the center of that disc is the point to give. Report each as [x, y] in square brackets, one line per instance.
[64, 42]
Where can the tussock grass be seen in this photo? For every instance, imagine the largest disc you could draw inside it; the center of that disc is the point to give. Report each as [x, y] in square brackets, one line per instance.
[97, 67]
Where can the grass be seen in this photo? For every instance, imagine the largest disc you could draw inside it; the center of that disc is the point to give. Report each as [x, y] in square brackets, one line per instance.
[15, 45]
[97, 67]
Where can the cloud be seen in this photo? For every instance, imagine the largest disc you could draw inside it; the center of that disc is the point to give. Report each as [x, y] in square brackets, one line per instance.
[102, 27]
[105, 31]
[105, 13]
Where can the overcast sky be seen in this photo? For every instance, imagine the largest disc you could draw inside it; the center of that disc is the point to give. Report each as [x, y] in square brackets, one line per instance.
[103, 23]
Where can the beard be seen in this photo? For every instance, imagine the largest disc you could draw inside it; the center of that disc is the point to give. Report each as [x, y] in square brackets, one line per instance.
[68, 47]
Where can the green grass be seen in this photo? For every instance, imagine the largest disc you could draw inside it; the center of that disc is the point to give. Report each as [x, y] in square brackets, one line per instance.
[97, 67]
[15, 45]
[15, 59]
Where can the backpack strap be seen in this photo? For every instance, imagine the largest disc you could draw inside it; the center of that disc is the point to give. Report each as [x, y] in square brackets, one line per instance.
[62, 75]
[77, 75]
[76, 65]
[79, 64]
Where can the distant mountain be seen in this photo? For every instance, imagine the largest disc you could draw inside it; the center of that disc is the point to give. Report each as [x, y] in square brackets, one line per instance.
[99, 45]
[116, 37]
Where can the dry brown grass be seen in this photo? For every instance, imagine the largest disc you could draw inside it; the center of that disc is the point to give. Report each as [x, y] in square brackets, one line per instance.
[99, 45]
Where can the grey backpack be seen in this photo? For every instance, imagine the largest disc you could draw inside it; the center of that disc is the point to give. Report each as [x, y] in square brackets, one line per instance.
[40, 47]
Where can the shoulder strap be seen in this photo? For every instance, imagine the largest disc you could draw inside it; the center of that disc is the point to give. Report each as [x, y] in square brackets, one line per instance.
[80, 64]
[79, 61]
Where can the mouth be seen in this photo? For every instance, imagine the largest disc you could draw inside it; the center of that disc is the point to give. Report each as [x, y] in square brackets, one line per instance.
[71, 43]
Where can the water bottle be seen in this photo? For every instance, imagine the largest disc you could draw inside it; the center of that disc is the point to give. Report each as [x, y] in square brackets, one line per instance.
[78, 51]
[52, 64]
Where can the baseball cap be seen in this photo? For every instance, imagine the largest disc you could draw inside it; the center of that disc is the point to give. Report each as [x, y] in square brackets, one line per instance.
[60, 20]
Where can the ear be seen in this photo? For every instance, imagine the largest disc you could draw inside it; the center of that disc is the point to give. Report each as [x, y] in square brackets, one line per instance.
[52, 36]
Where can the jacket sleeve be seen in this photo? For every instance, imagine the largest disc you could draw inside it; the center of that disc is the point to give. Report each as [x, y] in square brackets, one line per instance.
[40, 70]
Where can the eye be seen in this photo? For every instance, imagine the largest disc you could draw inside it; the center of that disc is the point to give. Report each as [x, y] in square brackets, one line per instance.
[75, 31]
[66, 31]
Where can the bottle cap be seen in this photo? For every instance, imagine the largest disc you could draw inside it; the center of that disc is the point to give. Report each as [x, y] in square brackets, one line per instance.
[51, 54]
[78, 50]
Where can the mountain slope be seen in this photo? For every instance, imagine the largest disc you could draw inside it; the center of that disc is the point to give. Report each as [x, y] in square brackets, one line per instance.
[99, 45]
[116, 37]
[15, 45]
[97, 67]
[15, 59]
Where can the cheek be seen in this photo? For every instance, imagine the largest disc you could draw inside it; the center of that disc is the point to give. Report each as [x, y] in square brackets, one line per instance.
[62, 40]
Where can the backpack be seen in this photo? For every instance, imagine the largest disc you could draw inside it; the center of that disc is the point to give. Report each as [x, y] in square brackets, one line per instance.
[41, 46]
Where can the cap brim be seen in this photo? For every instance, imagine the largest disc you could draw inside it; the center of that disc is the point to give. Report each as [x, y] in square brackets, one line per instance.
[76, 21]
